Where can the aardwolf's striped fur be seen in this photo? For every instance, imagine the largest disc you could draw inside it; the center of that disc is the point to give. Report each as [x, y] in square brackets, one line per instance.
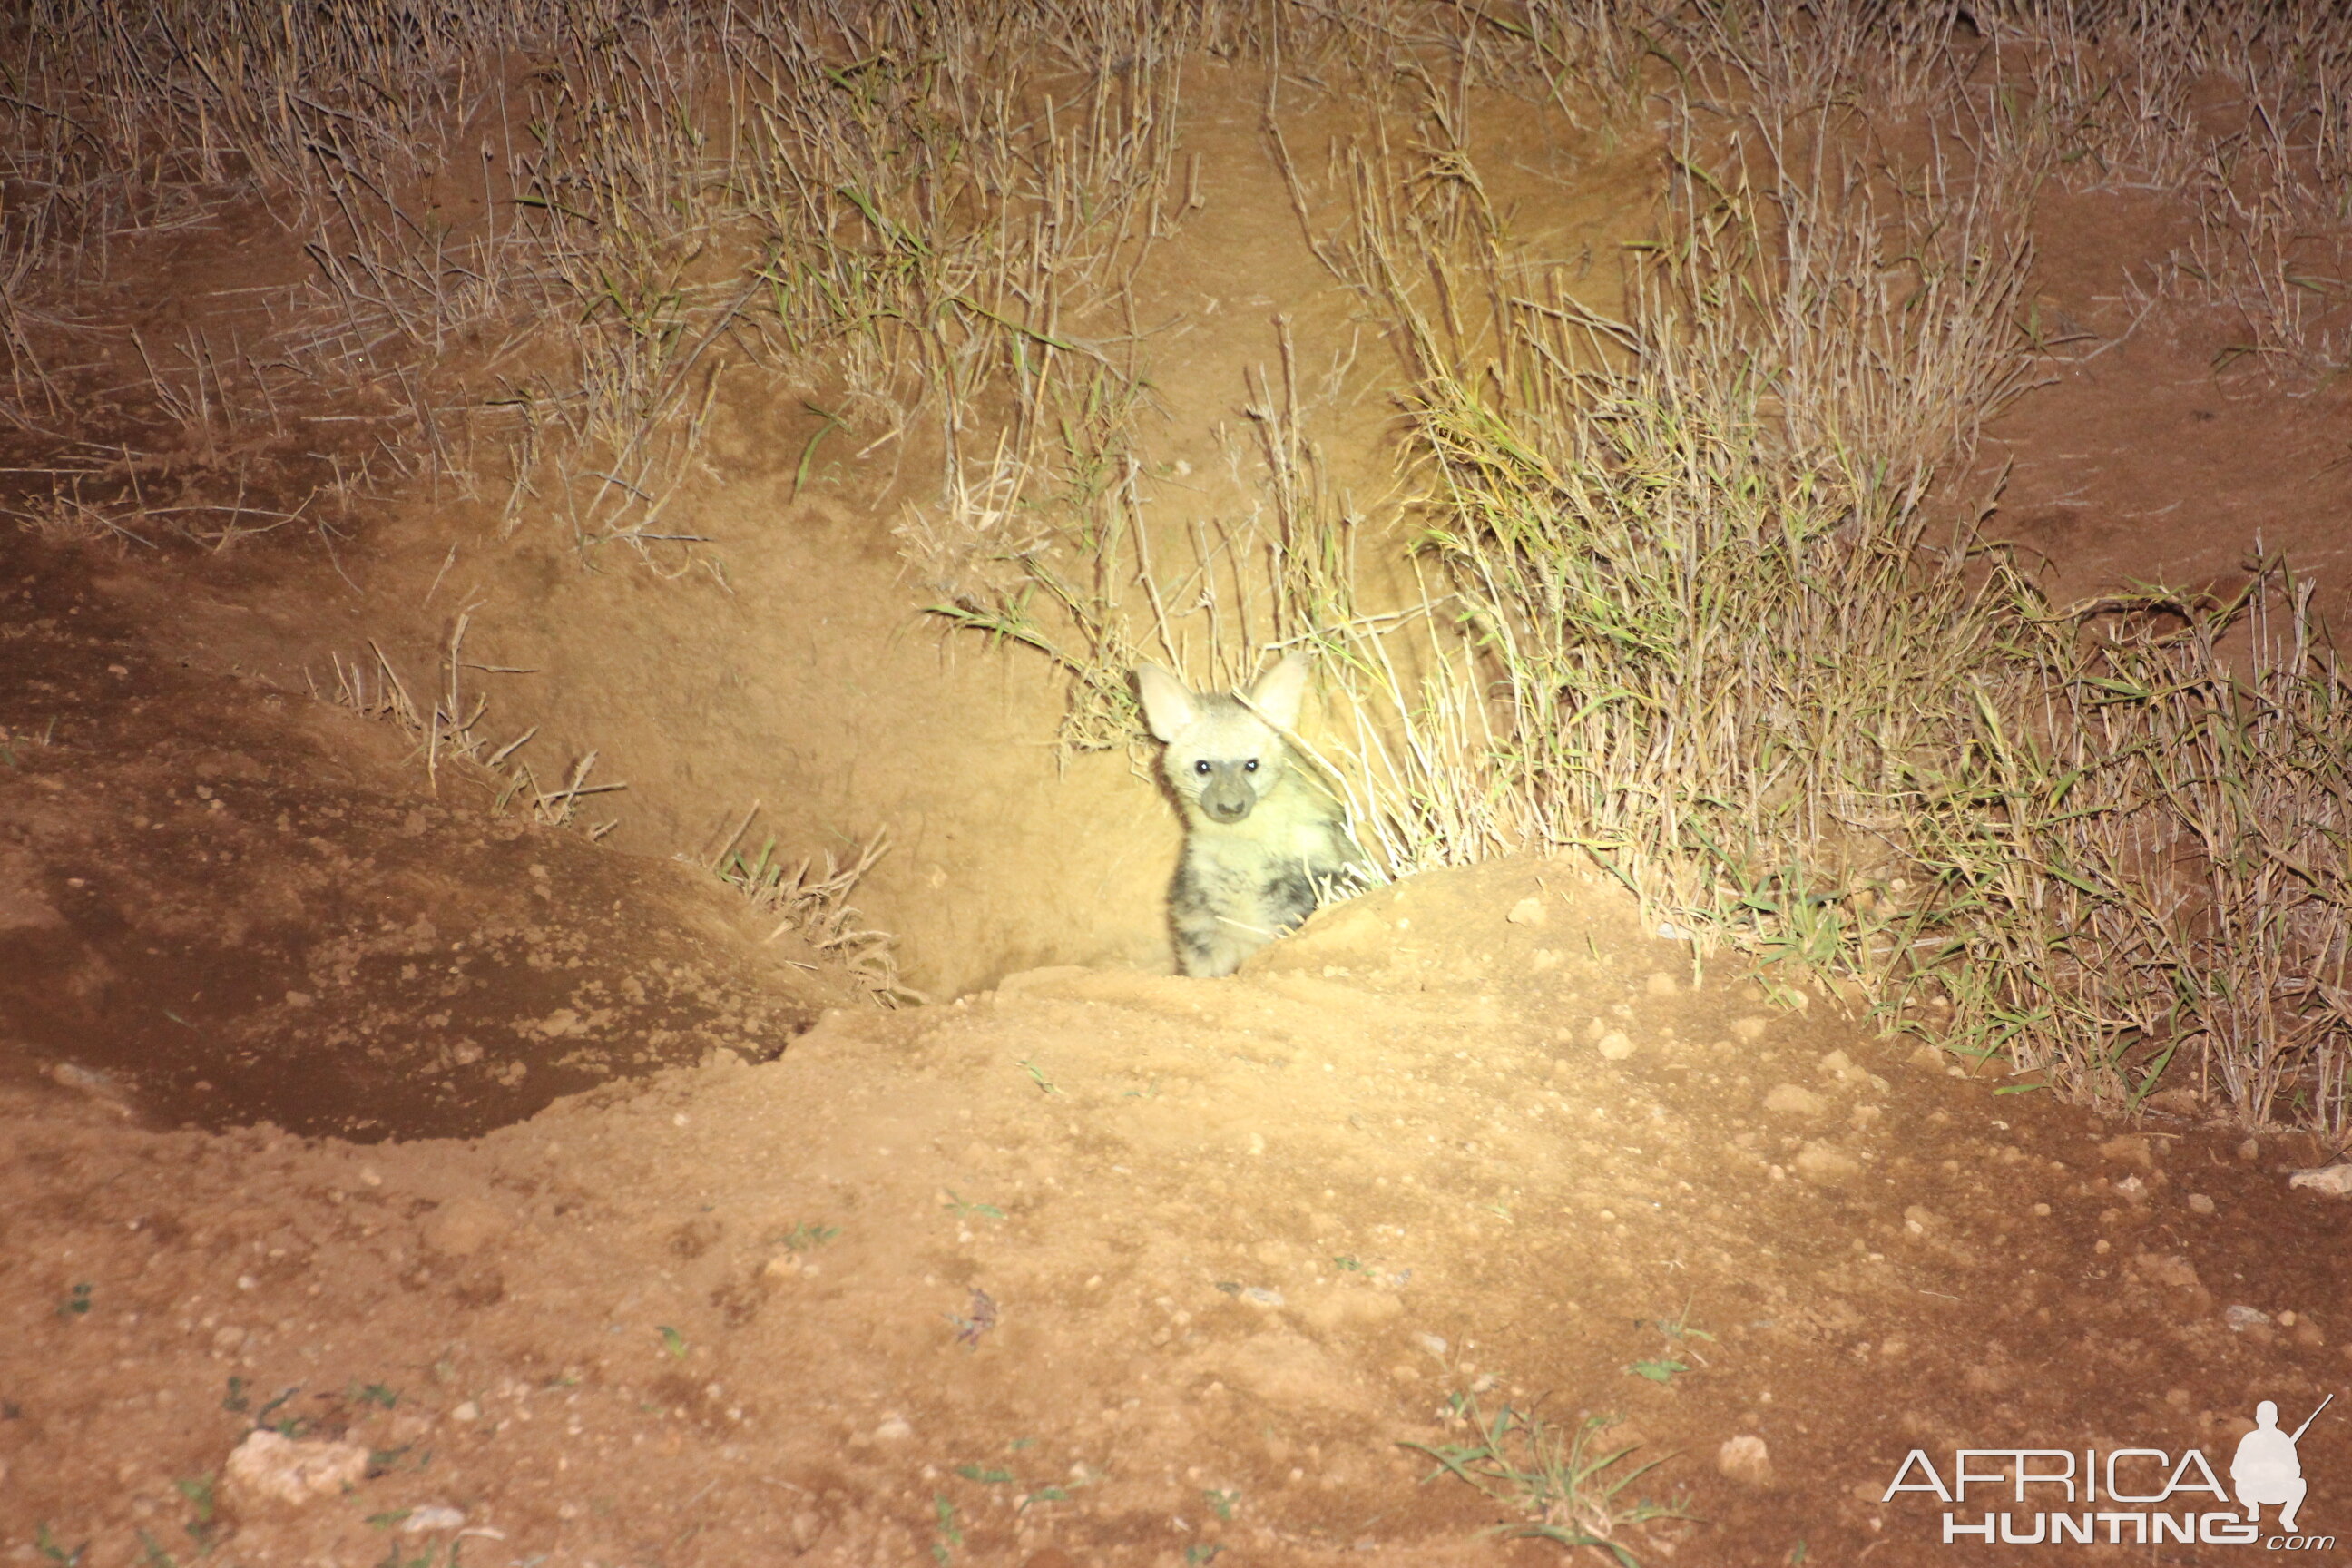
[1265, 841]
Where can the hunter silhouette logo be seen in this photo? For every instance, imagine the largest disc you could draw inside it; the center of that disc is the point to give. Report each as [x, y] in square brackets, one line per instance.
[2122, 1497]
[2266, 1468]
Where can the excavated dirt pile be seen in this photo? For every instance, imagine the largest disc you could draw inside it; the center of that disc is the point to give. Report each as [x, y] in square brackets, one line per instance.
[1105, 1267]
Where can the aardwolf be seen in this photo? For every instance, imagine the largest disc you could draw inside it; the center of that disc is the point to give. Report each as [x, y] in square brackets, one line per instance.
[1265, 842]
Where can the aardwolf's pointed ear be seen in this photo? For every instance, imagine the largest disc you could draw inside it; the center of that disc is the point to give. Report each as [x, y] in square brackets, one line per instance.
[1280, 690]
[1168, 707]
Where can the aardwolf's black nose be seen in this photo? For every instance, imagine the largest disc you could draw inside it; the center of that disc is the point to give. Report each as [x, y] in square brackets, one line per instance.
[1224, 802]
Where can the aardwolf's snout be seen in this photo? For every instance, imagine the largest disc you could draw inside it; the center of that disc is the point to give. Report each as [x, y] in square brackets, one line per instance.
[1227, 797]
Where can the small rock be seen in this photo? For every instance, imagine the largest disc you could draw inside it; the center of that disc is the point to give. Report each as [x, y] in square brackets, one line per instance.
[2127, 1149]
[1527, 911]
[2240, 1318]
[1794, 1099]
[1749, 1031]
[431, 1517]
[2167, 1268]
[2200, 1203]
[463, 1226]
[1614, 1046]
[269, 1470]
[1745, 1460]
[1826, 1164]
[892, 1429]
[1837, 1064]
[1434, 1343]
[1660, 983]
[1986, 1377]
[2336, 1181]
[97, 1085]
[468, 1411]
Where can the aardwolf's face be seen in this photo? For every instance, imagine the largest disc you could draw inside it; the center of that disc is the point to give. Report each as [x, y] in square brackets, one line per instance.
[1222, 757]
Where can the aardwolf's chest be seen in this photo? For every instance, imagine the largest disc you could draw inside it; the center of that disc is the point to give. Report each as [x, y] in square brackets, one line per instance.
[1243, 884]
[1291, 826]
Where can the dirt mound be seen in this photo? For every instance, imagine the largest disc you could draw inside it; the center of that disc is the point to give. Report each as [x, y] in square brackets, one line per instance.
[1135, 1269]
[223, 901]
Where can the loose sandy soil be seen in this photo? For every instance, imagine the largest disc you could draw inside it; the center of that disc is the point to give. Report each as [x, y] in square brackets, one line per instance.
[608, 1226]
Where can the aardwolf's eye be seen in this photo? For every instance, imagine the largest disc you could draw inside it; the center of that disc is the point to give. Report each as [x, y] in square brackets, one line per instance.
[1250, 766]
[1202, 767]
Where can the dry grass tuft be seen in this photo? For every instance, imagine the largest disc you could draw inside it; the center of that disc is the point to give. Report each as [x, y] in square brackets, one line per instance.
[1701, 625]
[448, 731]
[2141, 869]
[815, 906]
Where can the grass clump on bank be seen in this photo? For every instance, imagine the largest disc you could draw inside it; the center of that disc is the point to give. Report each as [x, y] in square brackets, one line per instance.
[2142, 860]
[1719, 636]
